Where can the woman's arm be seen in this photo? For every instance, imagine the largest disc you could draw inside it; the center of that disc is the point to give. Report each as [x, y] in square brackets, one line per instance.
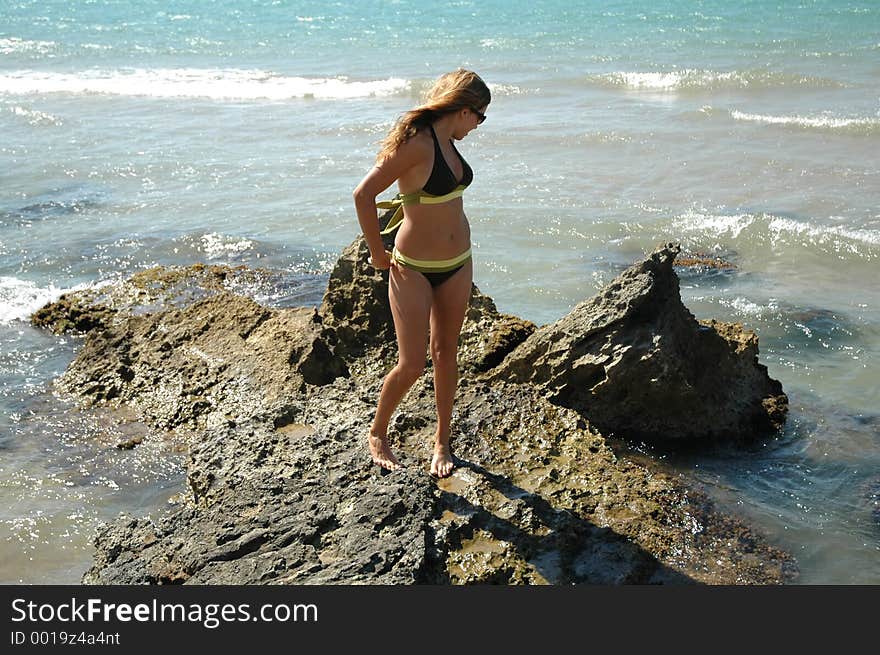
[375, 182]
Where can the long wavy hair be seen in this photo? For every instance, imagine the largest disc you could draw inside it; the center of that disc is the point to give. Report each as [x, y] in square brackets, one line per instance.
[452, 92]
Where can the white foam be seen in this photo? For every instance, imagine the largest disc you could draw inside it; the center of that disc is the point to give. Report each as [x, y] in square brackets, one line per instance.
[780, 226]
[816, 122]
[16, 45]
[220, 84]
[697, 79]
[778, 229]
[35, 117]
[21, 298]
[656, 81]
[505, 89]
[746, 306]
[716, 225]
[216, 245]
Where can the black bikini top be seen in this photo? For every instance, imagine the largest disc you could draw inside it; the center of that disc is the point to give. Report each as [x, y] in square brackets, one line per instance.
[441, 187]
[442, 180]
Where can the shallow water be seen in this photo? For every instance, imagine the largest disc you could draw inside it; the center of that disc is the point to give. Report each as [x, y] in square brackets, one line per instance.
[148, 133]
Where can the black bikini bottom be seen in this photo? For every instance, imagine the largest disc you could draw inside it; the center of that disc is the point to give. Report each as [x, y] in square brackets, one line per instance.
[436, 271]
[436, 279]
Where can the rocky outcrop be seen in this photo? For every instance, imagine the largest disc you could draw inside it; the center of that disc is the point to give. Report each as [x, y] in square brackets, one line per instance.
[223, 353]
[288, 496]
[638, 365]
[277, 505]
[280, 489]
[146, 291]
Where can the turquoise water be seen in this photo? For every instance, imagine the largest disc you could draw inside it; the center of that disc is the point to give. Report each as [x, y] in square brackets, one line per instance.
[143, 133]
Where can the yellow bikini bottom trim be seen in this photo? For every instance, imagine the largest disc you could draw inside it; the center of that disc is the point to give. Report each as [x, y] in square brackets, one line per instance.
[430, 265]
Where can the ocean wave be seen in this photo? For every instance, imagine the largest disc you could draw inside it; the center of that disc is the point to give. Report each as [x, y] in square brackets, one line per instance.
[749, 308]
[864, 126]
[219, 84]
[15, 45]
[716, 225]
[494, 43]
[34, 117]
[21, 298]
[505, 89]
[214, 246]
[706, 80]
[779, 230]
[217, 246]
[783, 227]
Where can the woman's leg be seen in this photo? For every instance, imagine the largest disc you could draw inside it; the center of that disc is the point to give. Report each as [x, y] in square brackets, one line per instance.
[410, 297]
[448, 308]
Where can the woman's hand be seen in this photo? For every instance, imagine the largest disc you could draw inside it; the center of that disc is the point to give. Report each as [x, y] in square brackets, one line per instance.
[381, 261]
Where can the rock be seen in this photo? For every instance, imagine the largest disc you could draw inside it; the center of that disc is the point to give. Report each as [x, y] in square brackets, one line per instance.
[541, 498]
[487, 335]
[146, 291]
[131, 442]
[280, 487]
[222, 353]
[638, 365]
[269, 528]
[704, 261]
[289, 496]
[72, 313]
[356, 301]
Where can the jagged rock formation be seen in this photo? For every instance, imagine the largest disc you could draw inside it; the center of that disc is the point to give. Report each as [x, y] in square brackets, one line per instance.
[638, 364]
[275, 404]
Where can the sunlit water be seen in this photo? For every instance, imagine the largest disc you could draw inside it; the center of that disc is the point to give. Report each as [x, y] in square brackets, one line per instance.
[143, 133]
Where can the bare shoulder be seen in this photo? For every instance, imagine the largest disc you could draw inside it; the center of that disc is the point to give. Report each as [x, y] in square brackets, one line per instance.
[408, 156]
[417, 148]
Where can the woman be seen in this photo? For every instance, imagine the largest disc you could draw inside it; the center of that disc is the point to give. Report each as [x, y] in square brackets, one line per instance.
[429, 282]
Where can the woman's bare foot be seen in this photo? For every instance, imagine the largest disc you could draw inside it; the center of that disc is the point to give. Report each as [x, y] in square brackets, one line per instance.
[382, 455]
[441, 462]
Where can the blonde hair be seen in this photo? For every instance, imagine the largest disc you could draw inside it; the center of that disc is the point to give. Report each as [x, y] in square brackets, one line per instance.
[452, 92]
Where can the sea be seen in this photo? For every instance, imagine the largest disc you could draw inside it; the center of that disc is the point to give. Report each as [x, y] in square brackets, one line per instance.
[136, 133]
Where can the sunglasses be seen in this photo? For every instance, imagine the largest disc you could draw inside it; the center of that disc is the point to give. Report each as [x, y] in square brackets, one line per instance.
[480, 116]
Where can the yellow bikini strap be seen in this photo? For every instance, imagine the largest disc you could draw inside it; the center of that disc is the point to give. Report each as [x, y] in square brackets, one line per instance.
[396, 217]
[417, 198]
[427, 199]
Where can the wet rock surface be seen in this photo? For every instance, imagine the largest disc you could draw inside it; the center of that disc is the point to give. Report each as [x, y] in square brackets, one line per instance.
[275, 406]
